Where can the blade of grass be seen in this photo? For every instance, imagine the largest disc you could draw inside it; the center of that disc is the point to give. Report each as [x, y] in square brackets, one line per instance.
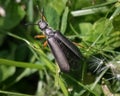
[89, 11]
[98, 79]
[82, 85]
[63, 87]
[13, 93]
[21, 64]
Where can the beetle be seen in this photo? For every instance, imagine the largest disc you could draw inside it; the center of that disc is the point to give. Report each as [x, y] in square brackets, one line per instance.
[66, 54]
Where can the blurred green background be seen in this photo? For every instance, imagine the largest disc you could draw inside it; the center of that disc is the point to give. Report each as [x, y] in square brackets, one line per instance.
[28, 69]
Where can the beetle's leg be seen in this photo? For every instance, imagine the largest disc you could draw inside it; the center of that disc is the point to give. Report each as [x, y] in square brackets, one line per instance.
[40, 36]
[45, 43]
[77, 44]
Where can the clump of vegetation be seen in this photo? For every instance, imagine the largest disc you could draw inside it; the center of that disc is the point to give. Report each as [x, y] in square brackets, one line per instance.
[28, 68]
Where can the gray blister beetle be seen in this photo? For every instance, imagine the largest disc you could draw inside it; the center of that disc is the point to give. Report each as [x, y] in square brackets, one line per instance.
[66, 54]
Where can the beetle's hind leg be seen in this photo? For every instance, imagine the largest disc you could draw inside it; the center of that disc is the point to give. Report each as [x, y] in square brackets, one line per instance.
[41, 37]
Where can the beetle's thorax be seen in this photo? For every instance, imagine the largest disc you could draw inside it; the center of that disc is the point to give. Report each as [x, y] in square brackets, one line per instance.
[45, 28]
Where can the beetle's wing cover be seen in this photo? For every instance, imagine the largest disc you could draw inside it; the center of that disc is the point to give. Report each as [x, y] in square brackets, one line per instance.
[66, 54]
[68, 43]
[71, 52]
[58, 54]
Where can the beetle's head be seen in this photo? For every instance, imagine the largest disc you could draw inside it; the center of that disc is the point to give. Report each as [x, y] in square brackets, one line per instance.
[42, 24]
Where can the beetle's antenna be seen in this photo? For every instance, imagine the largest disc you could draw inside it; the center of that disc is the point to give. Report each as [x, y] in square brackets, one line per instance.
[42, 15]
[30, 24]
[41, 12]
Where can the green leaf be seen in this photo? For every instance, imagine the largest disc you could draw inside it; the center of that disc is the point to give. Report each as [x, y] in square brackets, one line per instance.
[53, 20]
[6, 71]
[59, 6]
[85, 29]
[64, 20]
[14, 14]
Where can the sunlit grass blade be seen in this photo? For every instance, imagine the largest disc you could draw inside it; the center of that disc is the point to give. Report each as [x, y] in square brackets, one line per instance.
[21, 64]
[13, 93]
